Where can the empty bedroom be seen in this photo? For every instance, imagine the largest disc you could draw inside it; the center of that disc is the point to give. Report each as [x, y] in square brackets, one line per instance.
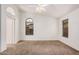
[39, 29]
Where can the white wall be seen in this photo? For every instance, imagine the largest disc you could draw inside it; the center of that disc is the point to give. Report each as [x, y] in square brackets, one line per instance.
[73, 39]
[3, 25]
[0, 26]
[3, 31]
[45, 27]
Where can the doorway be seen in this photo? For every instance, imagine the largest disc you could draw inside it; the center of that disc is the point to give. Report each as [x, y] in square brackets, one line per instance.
[10, 30]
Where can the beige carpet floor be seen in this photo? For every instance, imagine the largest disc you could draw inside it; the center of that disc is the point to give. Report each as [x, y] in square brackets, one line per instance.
[40, 48]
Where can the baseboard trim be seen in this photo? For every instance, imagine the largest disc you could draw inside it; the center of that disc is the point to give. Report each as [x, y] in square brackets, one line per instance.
[69, 46]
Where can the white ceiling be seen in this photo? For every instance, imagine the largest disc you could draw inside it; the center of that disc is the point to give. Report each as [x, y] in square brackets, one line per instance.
[54, 10]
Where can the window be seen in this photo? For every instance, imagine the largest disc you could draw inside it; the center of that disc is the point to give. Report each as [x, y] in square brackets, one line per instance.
[29, 26]
[10, 11]
[65, 28]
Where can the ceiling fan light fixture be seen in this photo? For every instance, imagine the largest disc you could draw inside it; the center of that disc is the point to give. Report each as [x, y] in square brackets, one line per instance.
[43, 5]
[40, 9]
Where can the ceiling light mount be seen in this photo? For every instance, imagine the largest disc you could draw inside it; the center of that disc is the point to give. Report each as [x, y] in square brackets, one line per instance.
[42, 5]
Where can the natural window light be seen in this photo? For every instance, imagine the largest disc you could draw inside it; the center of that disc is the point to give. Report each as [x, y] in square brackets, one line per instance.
[11, 11]
[29, 26]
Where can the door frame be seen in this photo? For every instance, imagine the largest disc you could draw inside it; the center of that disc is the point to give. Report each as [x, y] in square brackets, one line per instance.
[13, 28]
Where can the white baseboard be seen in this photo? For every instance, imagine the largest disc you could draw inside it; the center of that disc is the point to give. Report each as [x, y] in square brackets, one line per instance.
[3, 49]
[70, 45]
